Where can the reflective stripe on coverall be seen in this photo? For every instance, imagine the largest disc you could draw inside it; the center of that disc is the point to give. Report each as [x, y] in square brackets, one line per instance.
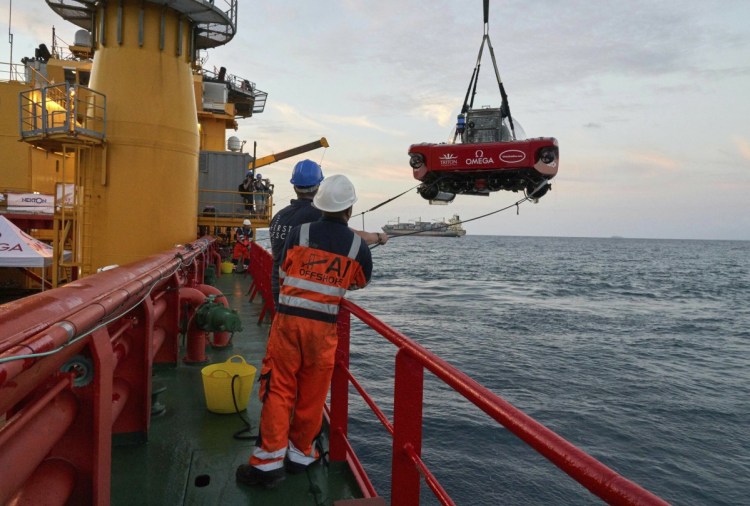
[298, 211]
[299, 359]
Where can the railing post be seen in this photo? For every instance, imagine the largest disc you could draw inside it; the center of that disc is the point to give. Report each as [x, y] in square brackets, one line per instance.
[340, 391]
[101, 418]
[45, 114]
[68, 101]
[407, 429]
[74, 96]
[136, 370]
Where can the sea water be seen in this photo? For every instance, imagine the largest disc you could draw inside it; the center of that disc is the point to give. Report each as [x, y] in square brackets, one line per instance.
[636, 351]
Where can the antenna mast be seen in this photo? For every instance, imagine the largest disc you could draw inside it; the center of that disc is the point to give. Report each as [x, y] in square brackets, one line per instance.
[10, 36]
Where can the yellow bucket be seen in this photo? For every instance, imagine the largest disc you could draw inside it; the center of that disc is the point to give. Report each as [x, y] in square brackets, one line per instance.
[221, 394]
[226, 267]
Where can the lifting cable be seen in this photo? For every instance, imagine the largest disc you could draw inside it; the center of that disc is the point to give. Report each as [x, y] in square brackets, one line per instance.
[469, 104]
[528, 197]
[516, 204]
[384, 203]
[368, 210]
[472, 89]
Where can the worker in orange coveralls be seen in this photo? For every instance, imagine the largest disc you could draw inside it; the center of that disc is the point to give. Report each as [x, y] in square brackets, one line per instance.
[320, 262]
[241, 251]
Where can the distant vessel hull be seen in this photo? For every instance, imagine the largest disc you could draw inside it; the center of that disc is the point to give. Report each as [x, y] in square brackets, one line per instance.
[452, 228]
[424, 233]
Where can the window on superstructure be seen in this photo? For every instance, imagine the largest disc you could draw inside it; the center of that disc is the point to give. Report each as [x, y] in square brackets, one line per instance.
[70, 76]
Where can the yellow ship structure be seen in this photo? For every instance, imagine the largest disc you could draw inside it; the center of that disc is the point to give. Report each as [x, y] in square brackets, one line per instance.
[123, 148]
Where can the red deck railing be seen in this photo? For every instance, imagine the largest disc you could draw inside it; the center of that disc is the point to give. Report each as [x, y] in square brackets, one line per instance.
[407, 465]
[260, 269]
[408, 468]
[72, 357]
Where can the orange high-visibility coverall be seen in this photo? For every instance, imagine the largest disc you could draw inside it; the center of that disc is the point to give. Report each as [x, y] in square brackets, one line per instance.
[298, 365]
[241, 251]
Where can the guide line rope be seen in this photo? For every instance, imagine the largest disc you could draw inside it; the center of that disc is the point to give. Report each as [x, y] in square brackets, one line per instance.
[384, 202]
[516, 204]
[528, 197]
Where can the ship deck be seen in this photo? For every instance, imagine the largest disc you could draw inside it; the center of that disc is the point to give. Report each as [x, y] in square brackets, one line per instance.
[191, 454]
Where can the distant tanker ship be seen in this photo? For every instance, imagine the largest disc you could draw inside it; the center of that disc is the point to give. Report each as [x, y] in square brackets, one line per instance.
[451, 228]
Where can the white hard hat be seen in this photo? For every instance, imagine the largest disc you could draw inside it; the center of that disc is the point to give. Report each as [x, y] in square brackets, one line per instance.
[336, 193]
[246, 222]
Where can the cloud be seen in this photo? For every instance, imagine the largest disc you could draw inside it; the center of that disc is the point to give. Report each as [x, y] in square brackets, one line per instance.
[391, 173]
[292, 116]
[438, 110]
[359, 121]
[653, 160]
[743, 146]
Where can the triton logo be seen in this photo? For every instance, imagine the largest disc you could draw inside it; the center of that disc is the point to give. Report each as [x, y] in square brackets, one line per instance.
[479, 159]
[448, 159]
[512, 156]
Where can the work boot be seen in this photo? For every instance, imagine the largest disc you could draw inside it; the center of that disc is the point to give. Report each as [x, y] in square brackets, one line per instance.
[297, 467]
[294, 467]
[252, 476]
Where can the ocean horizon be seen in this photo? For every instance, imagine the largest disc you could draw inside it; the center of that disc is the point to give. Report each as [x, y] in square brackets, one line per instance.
[263, 232]
[635, 350]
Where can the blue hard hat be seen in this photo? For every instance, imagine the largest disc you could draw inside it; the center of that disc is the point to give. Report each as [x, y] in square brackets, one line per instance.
[258, 176]
[306, 173]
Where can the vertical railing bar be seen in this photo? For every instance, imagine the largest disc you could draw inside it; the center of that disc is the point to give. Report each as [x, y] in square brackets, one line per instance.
[407, 429]
[45, 119]
[340, 391]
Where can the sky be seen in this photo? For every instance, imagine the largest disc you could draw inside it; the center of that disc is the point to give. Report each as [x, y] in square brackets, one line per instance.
[649, 101]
